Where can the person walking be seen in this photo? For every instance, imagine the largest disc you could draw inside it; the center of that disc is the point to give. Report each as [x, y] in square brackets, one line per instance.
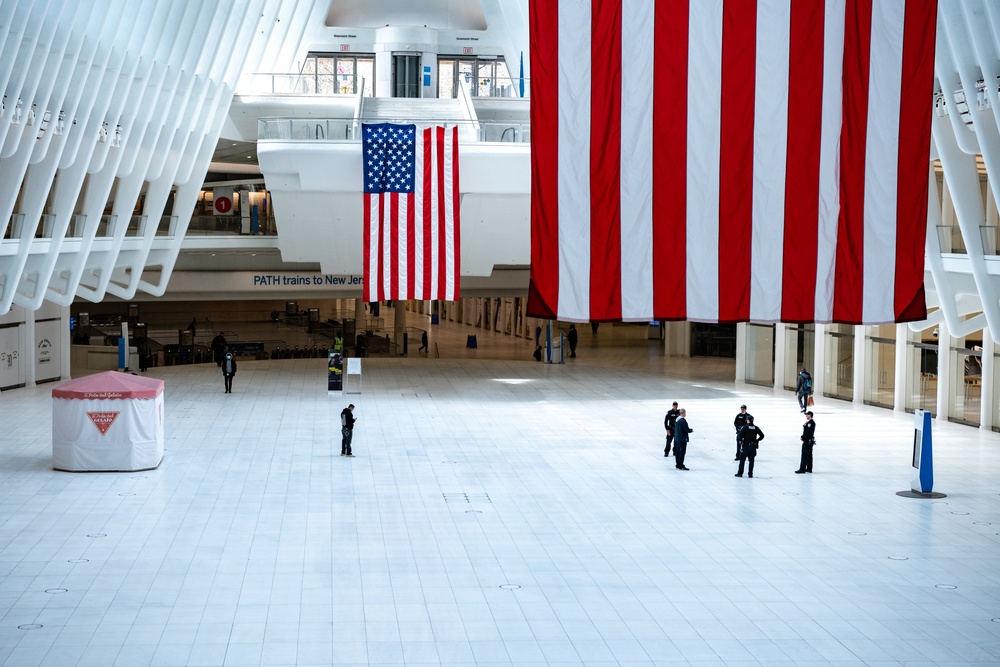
[228, 371]
[808, 440]
[681, 437]
[668, 424]
[572, 337]
[219, 348]
[347, 430]
[741, 420]
[423, 342]
[804, 389]
[748, 436]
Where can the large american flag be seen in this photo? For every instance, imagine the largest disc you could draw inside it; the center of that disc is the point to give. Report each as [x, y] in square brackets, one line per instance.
[411, 238]
[730, 160]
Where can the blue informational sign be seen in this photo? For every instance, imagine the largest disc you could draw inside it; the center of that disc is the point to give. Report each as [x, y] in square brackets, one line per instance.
[922, 472]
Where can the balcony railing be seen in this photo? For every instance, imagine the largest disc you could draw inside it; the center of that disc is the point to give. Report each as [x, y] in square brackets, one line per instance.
[950, 238]
[349, 129]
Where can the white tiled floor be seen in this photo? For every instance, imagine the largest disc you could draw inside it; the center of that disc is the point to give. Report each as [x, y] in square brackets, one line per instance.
[499, 511]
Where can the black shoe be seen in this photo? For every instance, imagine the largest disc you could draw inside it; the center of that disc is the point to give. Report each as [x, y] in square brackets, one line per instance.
[799, 472]
[750, 475]
[809, 471]
[685, 468]
[739, 475]
[737, 458]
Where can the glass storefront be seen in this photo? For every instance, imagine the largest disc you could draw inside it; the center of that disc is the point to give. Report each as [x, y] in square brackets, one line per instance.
[713, 340]
[839, 373]
[760, 354]
[800, 344]
[880, 381]
[967, 383]
[923, 387]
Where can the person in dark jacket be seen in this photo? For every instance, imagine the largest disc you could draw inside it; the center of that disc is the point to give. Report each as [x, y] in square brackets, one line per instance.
[423, 342]
[228, 371]
[681, 437]
[668, 424]
[804, 389]
[748, 436]
[572, 337]
[219, 348]
[347, 430]
[740, 422]
[808, 440]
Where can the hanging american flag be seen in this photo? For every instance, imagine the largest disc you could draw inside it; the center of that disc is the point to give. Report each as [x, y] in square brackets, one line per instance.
[411, 237]
[730, 160]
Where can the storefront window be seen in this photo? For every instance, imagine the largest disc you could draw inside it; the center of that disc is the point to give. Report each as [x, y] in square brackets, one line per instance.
[967, 369]
[800, 343]
[923, 390]
[880, 382]
[760, 354]
[839, 372]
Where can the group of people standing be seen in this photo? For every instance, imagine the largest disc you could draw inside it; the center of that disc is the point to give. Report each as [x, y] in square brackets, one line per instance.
[748, 437]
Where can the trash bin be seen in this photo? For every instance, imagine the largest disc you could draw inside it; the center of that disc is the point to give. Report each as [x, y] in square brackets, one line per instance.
[471, 341]
[434, 319]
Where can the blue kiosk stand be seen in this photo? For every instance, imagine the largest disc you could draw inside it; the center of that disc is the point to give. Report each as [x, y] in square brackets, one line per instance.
[922, 470]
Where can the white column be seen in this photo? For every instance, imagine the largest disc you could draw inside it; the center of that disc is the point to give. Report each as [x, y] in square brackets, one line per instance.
[677, 339]
[29, 350]
[780, 360]
[986, 388]
[819, 369]
[860, 362]
[65, 344]
[943, 372]
[904, 368]
[428, 59]
[741, 352]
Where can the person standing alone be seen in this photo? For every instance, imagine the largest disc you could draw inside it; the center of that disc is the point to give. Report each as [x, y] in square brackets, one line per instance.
[347, 430]
[572, 337]
[804, 389]
[808, 440]
[681, 438]
[228, 371]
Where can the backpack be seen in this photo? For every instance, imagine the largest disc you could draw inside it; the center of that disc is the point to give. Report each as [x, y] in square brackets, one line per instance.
[808, 384]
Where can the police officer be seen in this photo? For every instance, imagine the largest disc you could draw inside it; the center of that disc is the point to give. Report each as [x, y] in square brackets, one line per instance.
[668, 424]
[808, 440]
[748, 436]
[741, 420]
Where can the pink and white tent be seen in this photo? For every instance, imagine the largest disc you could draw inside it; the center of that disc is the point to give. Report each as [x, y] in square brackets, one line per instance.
[107, 422]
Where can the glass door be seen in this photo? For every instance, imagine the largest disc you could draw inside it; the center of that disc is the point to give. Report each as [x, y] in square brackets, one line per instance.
[406, 75]
[923, 389]
[760, 354]
[839, 372]
[967, 374]
[800, 343]
[880, 383]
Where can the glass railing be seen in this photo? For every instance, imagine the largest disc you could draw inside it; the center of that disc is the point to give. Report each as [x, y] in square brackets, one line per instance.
[990, 235]
[348, 129]
[950, 238]
[304, 84]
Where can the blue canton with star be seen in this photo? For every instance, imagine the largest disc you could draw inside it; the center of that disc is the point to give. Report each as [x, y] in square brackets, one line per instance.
[389, 153]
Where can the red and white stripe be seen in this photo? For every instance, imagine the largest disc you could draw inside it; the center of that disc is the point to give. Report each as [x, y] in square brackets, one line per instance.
[412, 241]
[730, 160]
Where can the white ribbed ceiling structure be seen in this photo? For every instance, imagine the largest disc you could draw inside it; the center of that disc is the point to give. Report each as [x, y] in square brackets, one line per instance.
[111, 112]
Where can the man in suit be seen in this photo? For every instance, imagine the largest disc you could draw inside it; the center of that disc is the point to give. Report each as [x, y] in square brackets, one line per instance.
[681, 438]
[741, 420]
[668, 424]
[808, 440]
[748, 437]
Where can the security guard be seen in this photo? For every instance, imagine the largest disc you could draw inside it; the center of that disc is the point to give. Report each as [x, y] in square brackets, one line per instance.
[749, 436]
[741, 420]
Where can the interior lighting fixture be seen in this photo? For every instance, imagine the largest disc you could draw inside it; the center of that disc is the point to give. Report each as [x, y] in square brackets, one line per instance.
[16, 119]
[116, 141]
[60, 122]
[102, 134]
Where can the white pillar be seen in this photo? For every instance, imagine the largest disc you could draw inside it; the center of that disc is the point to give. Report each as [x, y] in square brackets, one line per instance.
[860, 362]
[780, 361]
[819, 370]
[943, 372]
[30, 351]
[986, 384]
[65, 344]
[904, 368]
[741, 352]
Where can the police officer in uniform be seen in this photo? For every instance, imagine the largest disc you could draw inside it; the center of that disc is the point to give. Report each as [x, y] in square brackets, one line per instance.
[741, 420]
[748, 436]
[808, 440]
[668, 423]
